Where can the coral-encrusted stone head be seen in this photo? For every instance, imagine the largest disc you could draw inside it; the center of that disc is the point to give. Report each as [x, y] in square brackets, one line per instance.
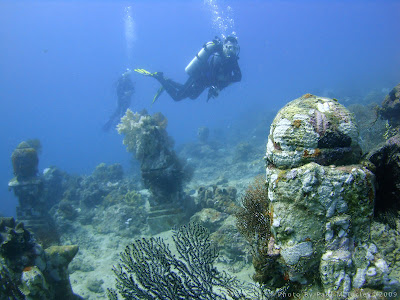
[313, 129]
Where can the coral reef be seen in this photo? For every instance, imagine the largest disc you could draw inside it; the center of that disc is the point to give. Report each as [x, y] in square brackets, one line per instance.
[390, 109]
[104, 195]
[220, 158]
[133, 198]
[109, 173]
[218, 203]
[387, 241]
[233, 249]
[220, 198]
[243, 151]
[145, 136]
[371, 128]
[202, 134]
[149, 270]
[29, 272]
[9, 289]
[310, 229]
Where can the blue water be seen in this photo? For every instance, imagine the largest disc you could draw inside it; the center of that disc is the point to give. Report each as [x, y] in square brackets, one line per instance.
[59, 61]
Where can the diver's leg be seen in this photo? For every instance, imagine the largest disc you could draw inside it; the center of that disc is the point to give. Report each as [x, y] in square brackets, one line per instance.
[196, 91]
[176, 90]
[188, 89]
[191, 89]
[123, 103]
[112, 120]
[171, 87]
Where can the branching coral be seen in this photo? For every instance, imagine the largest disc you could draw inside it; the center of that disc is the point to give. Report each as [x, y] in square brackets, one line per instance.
[148, 269]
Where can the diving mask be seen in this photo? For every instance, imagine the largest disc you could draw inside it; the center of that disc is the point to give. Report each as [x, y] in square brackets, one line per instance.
[231, 49]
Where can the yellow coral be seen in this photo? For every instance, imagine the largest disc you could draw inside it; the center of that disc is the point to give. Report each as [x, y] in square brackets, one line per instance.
[133, 198]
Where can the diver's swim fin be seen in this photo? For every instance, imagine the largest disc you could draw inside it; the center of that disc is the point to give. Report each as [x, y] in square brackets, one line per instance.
[144, 72]
[157, 75]
[158, 94]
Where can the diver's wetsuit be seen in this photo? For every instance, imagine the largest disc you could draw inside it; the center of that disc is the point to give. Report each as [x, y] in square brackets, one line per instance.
[218, 72]
[125, 89]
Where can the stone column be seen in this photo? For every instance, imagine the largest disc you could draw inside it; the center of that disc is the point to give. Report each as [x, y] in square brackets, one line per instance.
[322, 199]
[28, 187]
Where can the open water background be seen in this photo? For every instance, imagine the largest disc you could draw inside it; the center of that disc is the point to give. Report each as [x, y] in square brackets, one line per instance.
[59, 61]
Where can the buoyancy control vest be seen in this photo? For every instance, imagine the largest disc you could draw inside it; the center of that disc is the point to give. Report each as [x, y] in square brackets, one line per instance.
[201, 58]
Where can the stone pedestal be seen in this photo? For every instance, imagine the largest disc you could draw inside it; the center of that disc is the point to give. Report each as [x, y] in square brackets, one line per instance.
[319, 215]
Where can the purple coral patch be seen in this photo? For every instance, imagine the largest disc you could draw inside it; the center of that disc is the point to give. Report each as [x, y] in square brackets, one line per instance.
[320, 122]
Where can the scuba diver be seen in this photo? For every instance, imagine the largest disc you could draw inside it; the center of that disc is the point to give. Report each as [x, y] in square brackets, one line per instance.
[125, 89]
[214, 67]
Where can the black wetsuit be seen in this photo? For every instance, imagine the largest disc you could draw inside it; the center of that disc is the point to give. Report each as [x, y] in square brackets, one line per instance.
[219, 72]
[125, 89]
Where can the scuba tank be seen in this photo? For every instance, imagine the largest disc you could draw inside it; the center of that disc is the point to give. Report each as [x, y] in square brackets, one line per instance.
[199, 61]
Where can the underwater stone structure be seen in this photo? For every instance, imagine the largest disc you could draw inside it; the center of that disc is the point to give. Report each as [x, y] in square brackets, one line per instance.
[29, 188]
[147, 139]
[161, 170]
[322, 199]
